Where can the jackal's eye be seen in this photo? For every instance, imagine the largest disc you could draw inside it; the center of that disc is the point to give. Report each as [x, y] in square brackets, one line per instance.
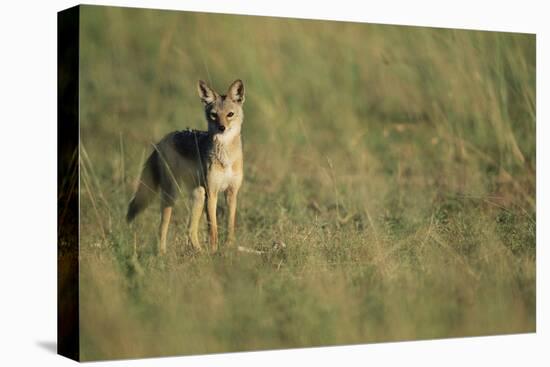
[230, 114]
[213, 115]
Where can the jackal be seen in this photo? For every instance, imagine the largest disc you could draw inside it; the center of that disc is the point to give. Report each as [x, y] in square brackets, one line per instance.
[204, 162]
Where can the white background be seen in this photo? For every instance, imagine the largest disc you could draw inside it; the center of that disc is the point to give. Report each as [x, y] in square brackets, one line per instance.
[28, 182]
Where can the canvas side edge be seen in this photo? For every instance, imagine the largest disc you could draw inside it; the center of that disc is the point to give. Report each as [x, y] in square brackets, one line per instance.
[68, 331]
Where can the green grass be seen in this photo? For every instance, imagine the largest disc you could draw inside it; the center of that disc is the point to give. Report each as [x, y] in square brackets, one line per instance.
[397, 164]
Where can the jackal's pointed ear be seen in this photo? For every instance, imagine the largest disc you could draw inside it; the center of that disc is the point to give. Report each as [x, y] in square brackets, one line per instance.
[207, 94]
[236, 91]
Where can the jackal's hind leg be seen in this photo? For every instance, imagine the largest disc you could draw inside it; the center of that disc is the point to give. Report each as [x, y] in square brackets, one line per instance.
[165, 215]
[197, 206]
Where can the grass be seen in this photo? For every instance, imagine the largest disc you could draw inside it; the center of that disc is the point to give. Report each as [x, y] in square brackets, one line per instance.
[397, 164]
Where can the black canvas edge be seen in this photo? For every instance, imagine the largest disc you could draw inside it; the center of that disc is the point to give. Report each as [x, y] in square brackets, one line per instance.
[68, 331]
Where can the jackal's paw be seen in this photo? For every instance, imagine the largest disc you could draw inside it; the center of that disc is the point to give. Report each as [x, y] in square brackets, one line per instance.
[230, 242]
[195, 250]
[192, 250]
[194, 244]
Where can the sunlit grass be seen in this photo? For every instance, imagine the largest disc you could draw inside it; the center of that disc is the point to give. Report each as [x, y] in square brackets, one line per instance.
[397, 164]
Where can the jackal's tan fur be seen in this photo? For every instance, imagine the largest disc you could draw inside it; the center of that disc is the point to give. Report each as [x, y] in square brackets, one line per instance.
[205, 163]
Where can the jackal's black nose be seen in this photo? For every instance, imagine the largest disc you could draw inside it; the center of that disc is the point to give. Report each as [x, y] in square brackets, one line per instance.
[221, 128]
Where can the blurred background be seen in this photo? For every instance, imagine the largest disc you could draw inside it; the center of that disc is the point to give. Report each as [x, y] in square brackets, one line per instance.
[396, 163]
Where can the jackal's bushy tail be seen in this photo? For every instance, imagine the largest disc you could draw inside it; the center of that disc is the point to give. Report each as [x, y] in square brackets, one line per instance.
[147, 187]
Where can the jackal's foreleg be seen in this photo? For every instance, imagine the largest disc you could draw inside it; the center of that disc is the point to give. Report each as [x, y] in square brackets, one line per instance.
[231, 198]
[211, 204]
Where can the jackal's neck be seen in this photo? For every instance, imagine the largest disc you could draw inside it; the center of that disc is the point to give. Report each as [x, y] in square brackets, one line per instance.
[226, 150]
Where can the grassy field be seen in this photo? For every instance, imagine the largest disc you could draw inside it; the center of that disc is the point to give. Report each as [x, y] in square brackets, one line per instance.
[397, 165]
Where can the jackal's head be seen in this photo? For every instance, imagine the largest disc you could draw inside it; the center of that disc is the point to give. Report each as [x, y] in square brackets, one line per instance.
[224, 113]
